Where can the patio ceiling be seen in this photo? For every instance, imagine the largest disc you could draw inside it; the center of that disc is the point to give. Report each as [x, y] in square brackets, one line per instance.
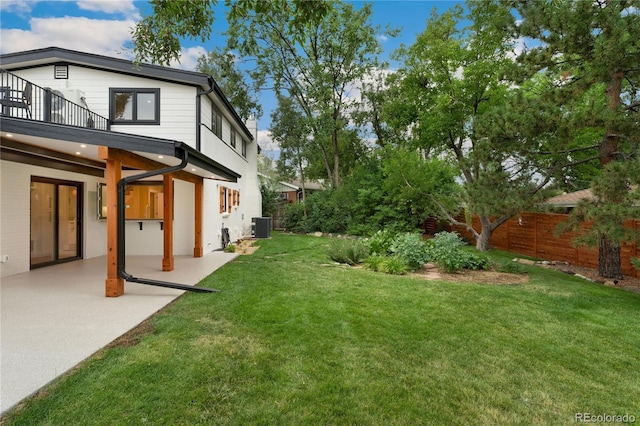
[80, 146]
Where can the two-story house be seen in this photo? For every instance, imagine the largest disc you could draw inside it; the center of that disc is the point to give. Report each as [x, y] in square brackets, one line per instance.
[104, 157]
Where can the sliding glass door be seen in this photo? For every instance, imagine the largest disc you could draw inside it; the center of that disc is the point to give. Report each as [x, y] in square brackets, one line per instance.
[56, 218]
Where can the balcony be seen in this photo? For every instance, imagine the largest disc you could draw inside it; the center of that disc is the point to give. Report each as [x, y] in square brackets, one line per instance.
[20, 98]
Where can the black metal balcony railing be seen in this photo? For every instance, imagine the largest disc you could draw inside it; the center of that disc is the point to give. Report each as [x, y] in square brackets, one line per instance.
[22, 99]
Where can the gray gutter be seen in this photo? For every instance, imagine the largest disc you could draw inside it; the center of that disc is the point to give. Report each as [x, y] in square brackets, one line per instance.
[122, 273]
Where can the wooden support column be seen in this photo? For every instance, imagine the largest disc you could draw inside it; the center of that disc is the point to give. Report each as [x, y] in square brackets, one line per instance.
[114, 285]
[198, 250]
[167, 260]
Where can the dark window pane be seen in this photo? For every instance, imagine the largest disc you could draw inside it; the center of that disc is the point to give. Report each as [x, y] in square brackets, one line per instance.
[124, 106]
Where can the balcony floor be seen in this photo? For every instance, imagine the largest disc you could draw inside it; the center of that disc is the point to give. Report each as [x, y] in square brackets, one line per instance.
[55, 317]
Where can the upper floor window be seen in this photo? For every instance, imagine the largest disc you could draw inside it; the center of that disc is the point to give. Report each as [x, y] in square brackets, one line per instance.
[244, 148]
[233, 138]
[134, 106]
[216, 122]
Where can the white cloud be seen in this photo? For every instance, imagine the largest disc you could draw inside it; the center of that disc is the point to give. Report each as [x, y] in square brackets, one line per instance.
[125, 7]
[266, 142]
[100, 36]
[20, 7]
[189, 58]
[382, 38]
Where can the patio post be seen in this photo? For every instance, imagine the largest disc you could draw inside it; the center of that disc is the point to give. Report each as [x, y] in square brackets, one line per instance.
[114, 285]
[167, 260]
[198, 250]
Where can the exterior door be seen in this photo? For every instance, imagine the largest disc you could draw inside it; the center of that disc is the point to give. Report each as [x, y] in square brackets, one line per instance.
[56, 221]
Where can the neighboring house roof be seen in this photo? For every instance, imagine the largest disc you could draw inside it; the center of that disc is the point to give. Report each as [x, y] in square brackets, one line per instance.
[49, 55]
[308, 184]
[570, 199]
[295, 185]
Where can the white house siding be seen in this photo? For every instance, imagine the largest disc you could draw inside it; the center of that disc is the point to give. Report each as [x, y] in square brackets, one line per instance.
[178, 123]
[177, 102]
[15, 179]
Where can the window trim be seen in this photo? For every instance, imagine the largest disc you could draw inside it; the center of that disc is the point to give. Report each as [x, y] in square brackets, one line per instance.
[216, 121]
[232, 138]
[135, 92]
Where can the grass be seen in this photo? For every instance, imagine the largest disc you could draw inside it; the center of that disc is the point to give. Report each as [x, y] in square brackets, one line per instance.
[295, 339]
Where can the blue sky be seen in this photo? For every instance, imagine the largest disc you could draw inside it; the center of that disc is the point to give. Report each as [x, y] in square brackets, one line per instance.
[103, 27]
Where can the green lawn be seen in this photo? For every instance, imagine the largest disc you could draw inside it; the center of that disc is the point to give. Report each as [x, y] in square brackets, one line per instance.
[293, 339]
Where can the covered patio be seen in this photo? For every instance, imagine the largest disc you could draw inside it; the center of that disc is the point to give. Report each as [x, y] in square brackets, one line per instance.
[53, 318]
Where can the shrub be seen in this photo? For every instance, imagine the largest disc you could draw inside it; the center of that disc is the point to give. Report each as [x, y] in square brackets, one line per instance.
[394, 265]
[381, 241]
[326, 212]
[349, 251]
[475, 261]
[231, 248]
[412, 249]
[445, 249]
[374, 262]
[294, 220]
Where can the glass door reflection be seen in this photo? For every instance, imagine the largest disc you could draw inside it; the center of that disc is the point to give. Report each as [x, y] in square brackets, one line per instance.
[55, 221]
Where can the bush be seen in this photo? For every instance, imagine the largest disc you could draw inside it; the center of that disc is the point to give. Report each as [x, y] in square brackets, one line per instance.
[445, 249]
[394, 265]
[412, 249]
[231, 248]
[294, 220]
[381, 241]
[349, 251]
[374, 262]
[475, 261]
[326, 212]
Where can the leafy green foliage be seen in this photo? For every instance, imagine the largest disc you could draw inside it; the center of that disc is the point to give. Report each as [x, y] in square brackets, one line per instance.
[374, 262]
[294, 219]
[222, 66]
[156, 38]
[327, 212]
[446, 249]
[381, 242]
[411, 249]
[394, 265]
[347, 250]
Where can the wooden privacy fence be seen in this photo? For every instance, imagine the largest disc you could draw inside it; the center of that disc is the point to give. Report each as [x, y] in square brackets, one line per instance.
[533, 234]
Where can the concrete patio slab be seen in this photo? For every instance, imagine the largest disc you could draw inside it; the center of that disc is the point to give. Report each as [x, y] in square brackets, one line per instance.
[55, 317]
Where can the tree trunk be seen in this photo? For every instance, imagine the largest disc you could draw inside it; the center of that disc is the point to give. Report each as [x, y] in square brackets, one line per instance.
[483, 239]
[609, 259]
[336, 158]
[609, 251]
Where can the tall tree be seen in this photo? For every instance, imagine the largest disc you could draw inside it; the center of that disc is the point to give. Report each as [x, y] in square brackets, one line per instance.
[156, 38]
[315, 64]
[451, 81]
[222, 66]
[289, 128]
[595, 47]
